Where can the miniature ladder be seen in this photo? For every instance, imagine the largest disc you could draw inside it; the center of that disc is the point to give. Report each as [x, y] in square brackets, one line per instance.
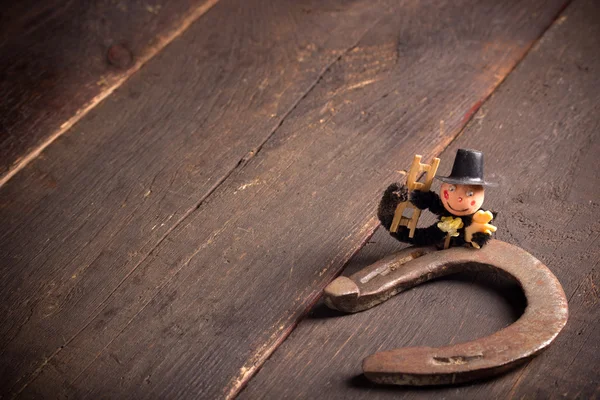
[411, 182]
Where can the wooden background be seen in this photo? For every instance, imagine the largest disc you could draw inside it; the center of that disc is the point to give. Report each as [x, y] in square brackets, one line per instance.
[180, 180]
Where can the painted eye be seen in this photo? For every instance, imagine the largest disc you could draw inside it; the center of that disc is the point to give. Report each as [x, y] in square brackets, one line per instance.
[469, 193]
[452, 188]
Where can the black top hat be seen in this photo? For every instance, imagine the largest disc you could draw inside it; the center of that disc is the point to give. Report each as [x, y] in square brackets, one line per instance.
[467, 169]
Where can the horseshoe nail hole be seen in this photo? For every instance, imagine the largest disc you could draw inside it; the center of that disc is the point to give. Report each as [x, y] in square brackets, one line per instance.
[456, 360]
[383, 271]
[404, 260]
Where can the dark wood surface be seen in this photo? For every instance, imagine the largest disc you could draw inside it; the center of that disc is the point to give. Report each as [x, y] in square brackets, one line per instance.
[539, 132]
[169, 242]
[79, 220]
[59, 58]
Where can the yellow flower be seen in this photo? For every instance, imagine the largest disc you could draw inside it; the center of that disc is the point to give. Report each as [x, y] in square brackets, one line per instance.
[450, 225]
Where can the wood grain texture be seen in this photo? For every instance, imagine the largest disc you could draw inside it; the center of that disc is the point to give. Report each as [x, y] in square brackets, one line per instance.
[56, 62]
[212, 300]
[539, 133]
[78, 221]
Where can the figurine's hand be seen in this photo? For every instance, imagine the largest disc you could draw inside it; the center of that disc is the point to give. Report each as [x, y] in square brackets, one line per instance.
[483, 217]
[480, 230]
[479, 239]
[422, 200]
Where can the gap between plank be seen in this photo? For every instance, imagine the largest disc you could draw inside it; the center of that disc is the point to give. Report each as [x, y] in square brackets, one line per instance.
[163, 41]
[247, 372]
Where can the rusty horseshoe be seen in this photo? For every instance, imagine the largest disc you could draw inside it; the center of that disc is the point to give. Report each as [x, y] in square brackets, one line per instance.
[545, 316]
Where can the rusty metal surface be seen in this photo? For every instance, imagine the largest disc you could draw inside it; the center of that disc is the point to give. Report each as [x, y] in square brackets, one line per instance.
[545, 316]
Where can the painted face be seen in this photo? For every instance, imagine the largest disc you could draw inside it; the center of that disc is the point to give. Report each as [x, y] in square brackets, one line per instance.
[462, 200]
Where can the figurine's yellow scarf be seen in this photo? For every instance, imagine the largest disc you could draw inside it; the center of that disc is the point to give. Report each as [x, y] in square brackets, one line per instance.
[450, 225]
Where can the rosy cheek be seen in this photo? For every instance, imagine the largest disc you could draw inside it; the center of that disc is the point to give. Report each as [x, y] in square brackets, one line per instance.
[446, 195]
[473, 203]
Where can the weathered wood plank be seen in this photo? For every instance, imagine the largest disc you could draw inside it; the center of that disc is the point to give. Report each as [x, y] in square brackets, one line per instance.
[211, 302]
[539, 132]
[59, 58]
[77, 221]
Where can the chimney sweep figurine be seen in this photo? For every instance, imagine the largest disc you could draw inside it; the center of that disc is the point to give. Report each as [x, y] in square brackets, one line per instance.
[461, 222]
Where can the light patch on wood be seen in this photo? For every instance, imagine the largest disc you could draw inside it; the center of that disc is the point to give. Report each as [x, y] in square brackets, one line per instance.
[153, 9]
[249, 184]
[362, 84]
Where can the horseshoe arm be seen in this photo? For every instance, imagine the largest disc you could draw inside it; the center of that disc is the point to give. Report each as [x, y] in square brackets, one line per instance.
[545, 316]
